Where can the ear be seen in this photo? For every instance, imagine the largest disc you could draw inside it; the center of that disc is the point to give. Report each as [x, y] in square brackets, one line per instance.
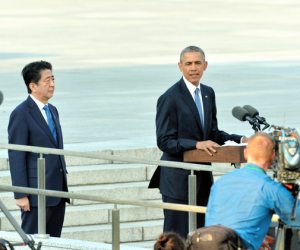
[180, 66]
[272, 158]
[245, 154]
[205, 65]
[32, 86]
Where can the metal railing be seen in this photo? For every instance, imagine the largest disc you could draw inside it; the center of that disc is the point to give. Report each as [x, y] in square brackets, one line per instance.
[191, 208]
[115, 220]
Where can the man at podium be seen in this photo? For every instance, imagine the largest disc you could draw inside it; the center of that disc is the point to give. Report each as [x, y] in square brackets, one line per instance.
[186, 119]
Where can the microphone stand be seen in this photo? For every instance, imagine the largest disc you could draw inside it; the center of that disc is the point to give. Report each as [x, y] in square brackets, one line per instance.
[262, 120]
[296, 193]
[287, 238]
[255, 125]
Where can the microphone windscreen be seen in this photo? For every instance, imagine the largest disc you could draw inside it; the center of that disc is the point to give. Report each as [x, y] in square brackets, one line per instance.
[1, 97]
[252, 111]
[240, 113]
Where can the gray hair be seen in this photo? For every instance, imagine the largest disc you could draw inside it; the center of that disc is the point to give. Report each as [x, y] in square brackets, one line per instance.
[192, 49]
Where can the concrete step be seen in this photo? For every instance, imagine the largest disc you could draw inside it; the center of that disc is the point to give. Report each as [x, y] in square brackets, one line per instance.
[94, 215]
[142, 244]
[99, 174]
[146, 153]
[5, 178]
[129, 232]
[132, 190]
[108, 173]
[3, 164]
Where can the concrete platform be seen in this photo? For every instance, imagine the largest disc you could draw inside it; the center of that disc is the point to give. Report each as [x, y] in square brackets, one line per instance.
[114, 59]
[59, 243]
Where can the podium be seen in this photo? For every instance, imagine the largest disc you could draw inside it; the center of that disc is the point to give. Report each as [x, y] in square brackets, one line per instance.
[224, 154]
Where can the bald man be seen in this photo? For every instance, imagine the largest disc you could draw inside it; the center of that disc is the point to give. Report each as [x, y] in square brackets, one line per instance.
[245, 199]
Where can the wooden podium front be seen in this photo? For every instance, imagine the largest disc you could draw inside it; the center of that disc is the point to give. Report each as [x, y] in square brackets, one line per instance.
[225, 154]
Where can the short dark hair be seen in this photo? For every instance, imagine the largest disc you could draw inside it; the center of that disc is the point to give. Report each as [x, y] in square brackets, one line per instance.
[32, 72]
[169, 240]
[4, 244]
[192, 49]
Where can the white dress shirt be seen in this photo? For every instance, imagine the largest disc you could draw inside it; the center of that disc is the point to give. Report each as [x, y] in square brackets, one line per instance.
[192, 88]
[40, 106]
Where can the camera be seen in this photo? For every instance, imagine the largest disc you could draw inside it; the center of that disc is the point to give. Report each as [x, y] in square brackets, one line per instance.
[286, 164]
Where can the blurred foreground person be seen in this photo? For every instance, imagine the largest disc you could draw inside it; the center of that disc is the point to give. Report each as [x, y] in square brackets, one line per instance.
[5, 245]
[169, 241]
[245, 200]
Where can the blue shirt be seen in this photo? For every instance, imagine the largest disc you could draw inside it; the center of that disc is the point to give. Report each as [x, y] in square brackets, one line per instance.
[245, 200]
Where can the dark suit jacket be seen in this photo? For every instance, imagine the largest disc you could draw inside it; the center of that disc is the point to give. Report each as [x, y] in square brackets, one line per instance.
[27, 126]
[178, 129]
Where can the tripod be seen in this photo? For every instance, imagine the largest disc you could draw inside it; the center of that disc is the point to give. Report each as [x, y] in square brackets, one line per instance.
[25, 238]
[288, 238]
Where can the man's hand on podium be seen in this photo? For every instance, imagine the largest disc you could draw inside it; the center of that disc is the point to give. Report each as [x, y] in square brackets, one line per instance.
[207, 146]
[245, 140]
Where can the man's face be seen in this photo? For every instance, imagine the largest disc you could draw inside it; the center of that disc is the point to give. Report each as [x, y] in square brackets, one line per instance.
[192, 66]
[44, 90]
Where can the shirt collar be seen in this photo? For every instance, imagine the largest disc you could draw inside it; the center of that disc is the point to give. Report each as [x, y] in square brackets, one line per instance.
[38, 103]
[255, 167]
[191, 87]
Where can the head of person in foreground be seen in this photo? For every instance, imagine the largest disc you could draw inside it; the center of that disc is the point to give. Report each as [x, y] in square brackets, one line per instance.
[169, 241]
[260, 150]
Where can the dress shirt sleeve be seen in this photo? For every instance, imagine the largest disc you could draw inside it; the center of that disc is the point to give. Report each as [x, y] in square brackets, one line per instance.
[18, 134]
[167, 128]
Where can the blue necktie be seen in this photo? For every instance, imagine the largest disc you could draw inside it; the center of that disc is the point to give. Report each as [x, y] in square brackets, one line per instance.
[198, 104]
[50, 122]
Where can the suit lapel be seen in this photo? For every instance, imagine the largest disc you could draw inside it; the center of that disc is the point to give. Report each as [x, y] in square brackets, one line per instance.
[188, 99]
[206, 103]
[38, 117]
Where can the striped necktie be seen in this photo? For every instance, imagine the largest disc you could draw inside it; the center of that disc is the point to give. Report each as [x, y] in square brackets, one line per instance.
[199, 105]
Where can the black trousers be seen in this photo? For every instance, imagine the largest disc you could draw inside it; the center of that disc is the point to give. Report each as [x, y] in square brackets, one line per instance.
[177, 221]
[54, 219]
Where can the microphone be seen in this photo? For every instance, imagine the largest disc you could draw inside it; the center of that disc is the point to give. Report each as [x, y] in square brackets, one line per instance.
[243, 115]
[254, 114]
[1, 97]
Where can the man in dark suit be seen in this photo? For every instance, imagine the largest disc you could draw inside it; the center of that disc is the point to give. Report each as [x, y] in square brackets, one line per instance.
[35, 122]
[186, 119]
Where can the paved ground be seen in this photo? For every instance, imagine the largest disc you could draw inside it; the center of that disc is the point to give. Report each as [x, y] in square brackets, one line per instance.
[112, 60]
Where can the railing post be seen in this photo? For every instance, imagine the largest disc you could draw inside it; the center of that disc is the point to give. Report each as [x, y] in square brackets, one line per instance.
[41, 199]
[192, 201]
[237, 165]
[115, 228]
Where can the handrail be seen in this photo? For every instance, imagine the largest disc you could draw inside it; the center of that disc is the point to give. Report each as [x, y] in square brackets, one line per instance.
[164, 205]
[52, 193]
[173, 164]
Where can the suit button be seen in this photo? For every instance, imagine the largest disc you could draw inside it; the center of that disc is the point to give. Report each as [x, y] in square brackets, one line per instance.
[61, 170]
